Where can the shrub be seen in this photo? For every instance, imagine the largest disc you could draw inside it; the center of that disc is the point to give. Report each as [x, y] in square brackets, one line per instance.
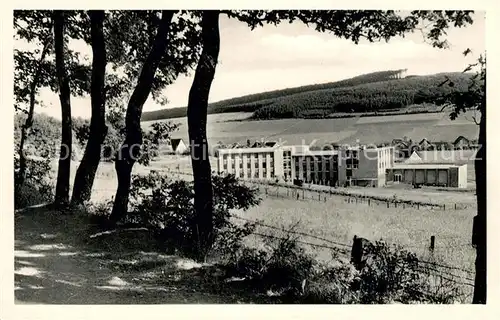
[282, 267]
[37, 187]
[331, 283]
[167, 207]
[98, 214]
[389, 274]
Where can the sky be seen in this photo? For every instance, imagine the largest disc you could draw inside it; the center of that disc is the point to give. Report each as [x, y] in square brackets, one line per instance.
[290, 55]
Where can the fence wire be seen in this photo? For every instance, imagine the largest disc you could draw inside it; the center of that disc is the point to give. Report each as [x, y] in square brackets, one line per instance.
[426, 266]
[318, 195]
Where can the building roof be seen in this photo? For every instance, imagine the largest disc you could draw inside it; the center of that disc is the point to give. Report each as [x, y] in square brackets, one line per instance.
[457, 140]
[425, 166]
[400, 142]
[441, 156]
[175, 143]
[414, 158]
[424, 140]
[302, 152]
[261, 144]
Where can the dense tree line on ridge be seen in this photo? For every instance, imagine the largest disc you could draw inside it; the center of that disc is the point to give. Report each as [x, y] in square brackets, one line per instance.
[386, 95]
[365, 93]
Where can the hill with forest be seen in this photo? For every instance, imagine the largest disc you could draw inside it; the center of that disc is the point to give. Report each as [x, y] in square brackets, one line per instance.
[372, 92]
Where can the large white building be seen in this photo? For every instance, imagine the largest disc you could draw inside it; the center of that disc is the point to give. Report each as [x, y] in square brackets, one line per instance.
[344, 166]
[252, 163]
[333, 167]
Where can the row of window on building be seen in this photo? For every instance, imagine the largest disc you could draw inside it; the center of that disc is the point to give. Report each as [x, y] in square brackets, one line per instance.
[255, 164]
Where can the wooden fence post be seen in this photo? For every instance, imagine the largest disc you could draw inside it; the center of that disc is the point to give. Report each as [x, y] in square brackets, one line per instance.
[368, 201]
[474, 231]
[387, 204]
[356, 252]
[433, 240]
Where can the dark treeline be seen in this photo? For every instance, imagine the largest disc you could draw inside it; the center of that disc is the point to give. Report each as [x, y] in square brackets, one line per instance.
[253, 102]
[43, 142]
[366, 93]
[371, 97]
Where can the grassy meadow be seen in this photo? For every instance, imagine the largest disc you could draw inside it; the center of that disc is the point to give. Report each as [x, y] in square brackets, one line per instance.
[363, 130]
[338, 220]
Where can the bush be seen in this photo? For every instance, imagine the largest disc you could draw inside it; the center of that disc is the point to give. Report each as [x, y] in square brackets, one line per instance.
[281, 268]
[332, 283]
[37, 187]
[167, 207]
[388, 275]
[98, 211]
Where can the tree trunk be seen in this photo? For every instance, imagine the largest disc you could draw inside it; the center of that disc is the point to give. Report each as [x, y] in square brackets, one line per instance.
[62, 186]
[85, 174]
[26, 128]
[130, 149]
[197, 128]
[480, 236]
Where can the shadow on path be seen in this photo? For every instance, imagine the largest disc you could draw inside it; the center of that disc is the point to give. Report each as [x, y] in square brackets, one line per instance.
[57, 262]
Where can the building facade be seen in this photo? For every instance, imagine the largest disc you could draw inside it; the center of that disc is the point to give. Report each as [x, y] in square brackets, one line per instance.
[315, 166]
[335, 167]
[444, 168]
[252, 163]
[428, 174]
[365, 166]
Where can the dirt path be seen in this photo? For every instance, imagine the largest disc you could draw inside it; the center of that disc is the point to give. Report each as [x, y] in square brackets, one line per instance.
[56, 263]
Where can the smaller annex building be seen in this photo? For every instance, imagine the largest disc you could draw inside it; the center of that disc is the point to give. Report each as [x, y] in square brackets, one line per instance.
[423, 169]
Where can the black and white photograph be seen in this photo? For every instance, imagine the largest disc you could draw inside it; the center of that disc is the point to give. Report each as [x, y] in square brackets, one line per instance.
[220, 156]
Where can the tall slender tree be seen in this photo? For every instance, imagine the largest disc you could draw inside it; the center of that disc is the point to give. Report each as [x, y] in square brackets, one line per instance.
[85, 174]
[481, 217]
[28, 124]
[197, 125]
[474, 99]
[35, 68]
[32, 71]
[130, 149]
[63, 174]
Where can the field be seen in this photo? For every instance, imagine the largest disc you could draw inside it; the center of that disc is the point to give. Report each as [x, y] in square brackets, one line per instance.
[363, 130]
[338, 220]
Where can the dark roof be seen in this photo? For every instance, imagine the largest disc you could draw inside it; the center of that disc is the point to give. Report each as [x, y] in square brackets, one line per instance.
[175, 143]
[270, 144]
[446, 156]
[460, 138]
[400, 142]
[259, 144]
